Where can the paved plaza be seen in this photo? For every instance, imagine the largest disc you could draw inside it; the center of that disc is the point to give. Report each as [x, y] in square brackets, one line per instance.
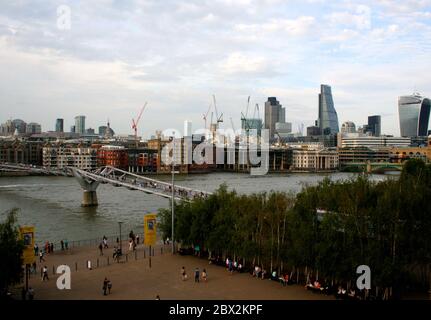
[136, 280]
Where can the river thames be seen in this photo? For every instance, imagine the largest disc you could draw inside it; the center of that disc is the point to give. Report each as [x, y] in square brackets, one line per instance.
[53, 204]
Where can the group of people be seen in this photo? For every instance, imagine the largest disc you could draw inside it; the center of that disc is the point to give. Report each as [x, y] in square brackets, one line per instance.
[48, 247]
[259, 272]
[133, 241]
[233, 265]
[27, 294]
[107, 286]
[198, 275]
[343, 294]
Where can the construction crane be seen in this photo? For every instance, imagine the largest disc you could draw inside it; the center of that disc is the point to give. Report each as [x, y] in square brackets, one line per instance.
[244, 117]
[135, 124]
[233, 126]
[218, 119]
[205, 116]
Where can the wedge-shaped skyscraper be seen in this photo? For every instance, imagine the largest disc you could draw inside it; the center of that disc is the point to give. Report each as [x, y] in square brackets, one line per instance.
[414, 113]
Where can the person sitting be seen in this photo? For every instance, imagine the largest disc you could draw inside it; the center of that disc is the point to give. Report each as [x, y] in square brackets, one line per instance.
[239, 267]
[284, 279]
[341, 293]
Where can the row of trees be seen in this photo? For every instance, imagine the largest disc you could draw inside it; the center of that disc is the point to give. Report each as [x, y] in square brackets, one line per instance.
[325, 230]
[11, 248]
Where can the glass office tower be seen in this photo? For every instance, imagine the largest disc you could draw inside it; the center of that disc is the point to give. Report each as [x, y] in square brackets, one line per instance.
[328, 118]
[414, 113]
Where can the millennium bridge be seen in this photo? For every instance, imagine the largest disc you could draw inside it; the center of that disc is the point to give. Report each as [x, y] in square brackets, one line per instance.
[91, 179]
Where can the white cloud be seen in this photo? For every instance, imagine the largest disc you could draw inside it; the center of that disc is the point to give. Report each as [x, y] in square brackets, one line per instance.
[291, 27]
[240, 63]
[361, 19]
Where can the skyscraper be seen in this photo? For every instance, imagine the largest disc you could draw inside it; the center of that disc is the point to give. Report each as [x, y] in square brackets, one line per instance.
[59, 125]
[187, 128]
[274, 112]
[414, 113]
[374, 125]
[33, 128]
[348, 127]
[19, 125]
[328, 119]
[80, 124]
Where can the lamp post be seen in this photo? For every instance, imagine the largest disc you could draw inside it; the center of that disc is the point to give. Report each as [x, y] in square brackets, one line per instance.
[173, 192]
[121, 247]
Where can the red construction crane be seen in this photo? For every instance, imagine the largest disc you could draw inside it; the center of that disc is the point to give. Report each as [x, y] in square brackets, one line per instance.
[135, 124]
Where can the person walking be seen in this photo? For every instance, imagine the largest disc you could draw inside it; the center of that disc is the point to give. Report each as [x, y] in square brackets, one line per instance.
[30, 293]
[183, 274]
[36, 250]
[204, 275]
[105, 286]
[45, 273]
[41, 257]
[101, 249]
[66, 244]
[137, 239]
[109, 286]
[197, 275]
[105, 242]
[62, 245]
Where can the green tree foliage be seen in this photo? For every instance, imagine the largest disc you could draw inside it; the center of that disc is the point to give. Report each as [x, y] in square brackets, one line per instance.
[329, 229]
[11, 249]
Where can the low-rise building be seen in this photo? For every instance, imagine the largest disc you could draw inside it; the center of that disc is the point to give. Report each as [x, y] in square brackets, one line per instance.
[114, 156]
[70, 156]
[315, 159]
[354, 140]
[21, 151]
[363, 154]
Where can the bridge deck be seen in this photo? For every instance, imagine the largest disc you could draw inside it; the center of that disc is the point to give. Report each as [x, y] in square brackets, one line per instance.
[115, 177]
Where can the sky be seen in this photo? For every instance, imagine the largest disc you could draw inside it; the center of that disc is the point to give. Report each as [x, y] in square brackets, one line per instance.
[105, 59]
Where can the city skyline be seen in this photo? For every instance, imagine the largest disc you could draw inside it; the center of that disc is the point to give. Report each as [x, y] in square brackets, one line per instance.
[272, 48]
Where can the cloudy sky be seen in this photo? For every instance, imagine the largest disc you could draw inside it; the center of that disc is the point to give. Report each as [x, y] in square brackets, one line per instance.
[117, 54]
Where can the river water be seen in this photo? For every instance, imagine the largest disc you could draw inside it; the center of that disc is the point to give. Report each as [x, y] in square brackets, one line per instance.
[53, 204]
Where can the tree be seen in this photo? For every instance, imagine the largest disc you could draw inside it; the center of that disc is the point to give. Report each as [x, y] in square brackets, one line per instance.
[11, 249]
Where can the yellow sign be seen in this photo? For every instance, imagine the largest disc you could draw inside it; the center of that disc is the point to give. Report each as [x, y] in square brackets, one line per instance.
[27, 235]
[150, 229]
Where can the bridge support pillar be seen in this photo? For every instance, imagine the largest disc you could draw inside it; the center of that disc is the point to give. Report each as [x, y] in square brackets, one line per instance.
[89, 199]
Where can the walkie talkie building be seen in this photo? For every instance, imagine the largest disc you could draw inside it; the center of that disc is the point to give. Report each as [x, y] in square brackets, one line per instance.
[414, 113]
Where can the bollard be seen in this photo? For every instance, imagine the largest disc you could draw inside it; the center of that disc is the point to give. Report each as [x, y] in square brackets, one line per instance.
[144, 254]
[76, 266]
[149, 262]
[97, 263]
[53, 269]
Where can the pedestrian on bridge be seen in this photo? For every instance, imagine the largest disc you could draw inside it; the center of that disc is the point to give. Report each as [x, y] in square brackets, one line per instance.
[101, 249]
